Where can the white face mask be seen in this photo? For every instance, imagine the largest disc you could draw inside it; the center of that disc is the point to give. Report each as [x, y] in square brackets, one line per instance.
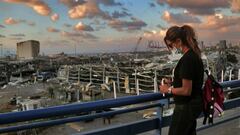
[176, 51]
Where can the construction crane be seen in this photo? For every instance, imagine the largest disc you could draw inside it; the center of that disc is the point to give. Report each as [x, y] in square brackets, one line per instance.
[155, 44]
[136, 47]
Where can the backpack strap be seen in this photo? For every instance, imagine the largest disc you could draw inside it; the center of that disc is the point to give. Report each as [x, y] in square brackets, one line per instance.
[204, 120]
[211, 104]
[211, 113]
[214, 82]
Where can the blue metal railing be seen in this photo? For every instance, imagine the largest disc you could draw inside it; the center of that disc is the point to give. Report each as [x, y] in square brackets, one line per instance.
[231, 84]
[71, 113]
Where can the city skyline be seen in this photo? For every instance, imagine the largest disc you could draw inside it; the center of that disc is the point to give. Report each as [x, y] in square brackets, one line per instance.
[100, 26]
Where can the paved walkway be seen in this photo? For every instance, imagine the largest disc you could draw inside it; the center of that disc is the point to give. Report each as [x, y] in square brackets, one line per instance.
[228, 128]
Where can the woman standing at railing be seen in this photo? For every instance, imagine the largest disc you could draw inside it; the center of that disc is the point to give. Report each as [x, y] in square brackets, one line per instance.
[187, 81]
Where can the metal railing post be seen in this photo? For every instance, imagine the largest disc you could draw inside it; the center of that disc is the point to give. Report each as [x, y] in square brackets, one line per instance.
[118, 79]
[137, 90]
[114, 90]
[222, 76]
[68, 73]
[79, 72]
[135, 78]
[155, 82]
[159, 115]
[90, 75]
[126, 84]
[238, 74]
[104, 72]
[230, 75]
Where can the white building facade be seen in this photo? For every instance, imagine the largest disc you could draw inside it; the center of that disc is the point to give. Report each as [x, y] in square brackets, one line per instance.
[28, 49]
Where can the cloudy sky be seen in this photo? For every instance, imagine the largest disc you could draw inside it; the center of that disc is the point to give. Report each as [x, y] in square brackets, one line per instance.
[113, 25]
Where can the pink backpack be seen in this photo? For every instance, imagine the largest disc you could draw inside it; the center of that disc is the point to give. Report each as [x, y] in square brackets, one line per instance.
[213, 98]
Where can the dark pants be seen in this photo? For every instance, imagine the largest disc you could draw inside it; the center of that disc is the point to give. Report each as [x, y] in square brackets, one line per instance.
[184, 118]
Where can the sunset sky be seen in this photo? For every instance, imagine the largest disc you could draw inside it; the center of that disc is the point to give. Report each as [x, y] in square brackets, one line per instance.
[113, 25]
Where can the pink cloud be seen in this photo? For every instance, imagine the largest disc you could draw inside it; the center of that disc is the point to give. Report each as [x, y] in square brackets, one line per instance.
[180, 18]
[10, 21]
[39, 6]
[219, 22]
[82, 27]
[217, 27]
[119, 25]
[85, 9]
[50, 29]
[89, 9]
[54, 17]
[201, 7]
[78, 34]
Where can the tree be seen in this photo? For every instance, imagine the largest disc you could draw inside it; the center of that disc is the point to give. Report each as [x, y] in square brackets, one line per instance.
[232, 58]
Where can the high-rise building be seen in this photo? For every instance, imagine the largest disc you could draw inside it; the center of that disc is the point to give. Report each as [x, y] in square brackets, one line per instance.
[28, 49]
[223, 44]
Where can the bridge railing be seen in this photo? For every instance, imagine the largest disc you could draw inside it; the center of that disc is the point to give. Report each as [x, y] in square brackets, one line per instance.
[75, 112]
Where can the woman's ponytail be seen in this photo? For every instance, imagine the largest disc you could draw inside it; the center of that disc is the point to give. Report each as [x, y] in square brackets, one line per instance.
[189, 36]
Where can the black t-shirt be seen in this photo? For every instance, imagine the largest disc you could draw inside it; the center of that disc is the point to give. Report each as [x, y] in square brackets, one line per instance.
[189, 67]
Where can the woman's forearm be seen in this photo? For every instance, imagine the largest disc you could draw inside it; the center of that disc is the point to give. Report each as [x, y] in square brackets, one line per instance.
[181, 91]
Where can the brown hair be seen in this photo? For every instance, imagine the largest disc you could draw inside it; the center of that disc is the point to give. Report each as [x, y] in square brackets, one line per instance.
[187, 35]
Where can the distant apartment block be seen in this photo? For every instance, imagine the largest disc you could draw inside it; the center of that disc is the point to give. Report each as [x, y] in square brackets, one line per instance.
[223, 45]
[28, 49]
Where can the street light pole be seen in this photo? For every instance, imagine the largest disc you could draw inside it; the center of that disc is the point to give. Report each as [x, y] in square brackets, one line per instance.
[1, 50]
[75, 49]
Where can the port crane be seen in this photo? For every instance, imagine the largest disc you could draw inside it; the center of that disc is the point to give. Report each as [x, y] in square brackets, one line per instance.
[150, 44]
[136, 47]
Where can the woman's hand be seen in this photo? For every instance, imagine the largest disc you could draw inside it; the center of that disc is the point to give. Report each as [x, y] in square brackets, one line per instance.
[164, 88]
[165, 84]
